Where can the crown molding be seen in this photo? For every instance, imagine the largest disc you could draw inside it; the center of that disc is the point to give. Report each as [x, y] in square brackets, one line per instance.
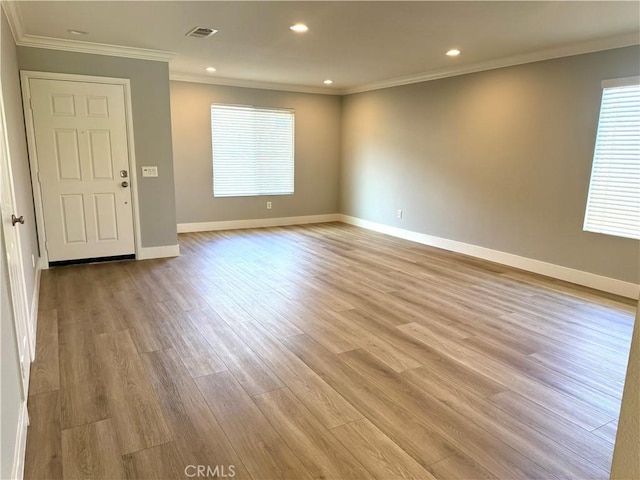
[608, 43]
[230, 82]
[24, 39]
[14, 18]
[66, 45]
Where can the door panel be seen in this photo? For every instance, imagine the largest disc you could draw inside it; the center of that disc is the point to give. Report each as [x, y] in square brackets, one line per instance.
[74, 228]
[62, 104]
[67, 154]
[81, 140]
[107, 218]
[97, 106]
[100, 152]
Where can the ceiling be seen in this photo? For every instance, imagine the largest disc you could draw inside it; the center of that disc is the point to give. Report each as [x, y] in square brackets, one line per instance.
[359, 45]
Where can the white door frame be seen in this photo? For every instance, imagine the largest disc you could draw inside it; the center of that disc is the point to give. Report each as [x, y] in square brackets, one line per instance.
[25, 76]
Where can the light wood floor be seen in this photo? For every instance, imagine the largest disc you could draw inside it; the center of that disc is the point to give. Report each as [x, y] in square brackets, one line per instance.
[324, 352]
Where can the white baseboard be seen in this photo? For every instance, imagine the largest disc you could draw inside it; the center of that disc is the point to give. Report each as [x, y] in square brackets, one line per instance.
[33, 313]
[147, 253]
[257, 223]
[21, 443]
[599, 282]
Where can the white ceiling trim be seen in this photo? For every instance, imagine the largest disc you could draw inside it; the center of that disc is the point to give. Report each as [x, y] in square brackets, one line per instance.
[14, 18]
[548, 54]
[230, 82]
[541, 55]
[21, 38]
[26, 40]
[37, 41]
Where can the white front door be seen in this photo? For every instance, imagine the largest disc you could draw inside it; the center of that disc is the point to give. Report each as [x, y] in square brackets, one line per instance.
[83, 168]
[10, 225]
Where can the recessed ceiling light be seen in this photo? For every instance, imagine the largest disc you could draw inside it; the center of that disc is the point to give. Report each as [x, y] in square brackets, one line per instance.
[76, 32]
[453, 52]
[328, 82]
[210, 69]
[299, 28]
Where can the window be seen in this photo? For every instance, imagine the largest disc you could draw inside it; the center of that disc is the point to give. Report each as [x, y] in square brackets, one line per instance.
[252, 151]
[613, 206]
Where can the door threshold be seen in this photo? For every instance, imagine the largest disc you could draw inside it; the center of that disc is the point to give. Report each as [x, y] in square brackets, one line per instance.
[80, 261]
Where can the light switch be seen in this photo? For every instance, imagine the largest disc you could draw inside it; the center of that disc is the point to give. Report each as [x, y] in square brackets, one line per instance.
[149, 171]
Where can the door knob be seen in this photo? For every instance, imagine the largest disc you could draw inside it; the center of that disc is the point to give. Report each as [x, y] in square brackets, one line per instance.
[125, 184]
[15, 220]
[124, 173]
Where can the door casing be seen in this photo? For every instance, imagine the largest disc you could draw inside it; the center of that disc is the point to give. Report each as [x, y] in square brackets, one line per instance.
[33, 157]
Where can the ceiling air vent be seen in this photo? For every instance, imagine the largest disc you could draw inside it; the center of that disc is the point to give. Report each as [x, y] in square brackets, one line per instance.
[201, 32]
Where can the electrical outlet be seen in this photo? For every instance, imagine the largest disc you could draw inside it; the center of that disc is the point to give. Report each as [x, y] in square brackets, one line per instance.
[268, 205]
[399, 214]
[149, 171]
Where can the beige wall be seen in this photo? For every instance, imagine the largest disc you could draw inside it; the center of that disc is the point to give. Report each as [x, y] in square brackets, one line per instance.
[626, 456]
[317, 152]
[151, 124]
[499, 159]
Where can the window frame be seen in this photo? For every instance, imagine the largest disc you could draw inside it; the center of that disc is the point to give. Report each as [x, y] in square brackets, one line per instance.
[590, 224]
[257, 192]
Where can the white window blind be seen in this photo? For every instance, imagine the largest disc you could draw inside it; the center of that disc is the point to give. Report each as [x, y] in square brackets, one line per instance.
[253, 151]
[613, 206]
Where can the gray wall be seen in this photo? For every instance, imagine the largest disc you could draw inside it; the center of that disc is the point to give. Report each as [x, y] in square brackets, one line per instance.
[18, 155]
[151, 123]
[317, 153]
[500, 159]
[626, 456]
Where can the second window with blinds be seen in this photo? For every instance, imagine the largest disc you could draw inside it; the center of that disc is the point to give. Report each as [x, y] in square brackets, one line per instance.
[613, 205]
[253, 150]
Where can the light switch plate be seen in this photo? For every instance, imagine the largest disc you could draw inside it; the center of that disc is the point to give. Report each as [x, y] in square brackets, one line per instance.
[149, 171]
